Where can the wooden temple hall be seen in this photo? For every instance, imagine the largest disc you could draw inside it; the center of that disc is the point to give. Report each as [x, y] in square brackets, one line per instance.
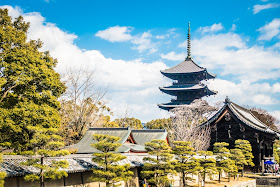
[233, 122]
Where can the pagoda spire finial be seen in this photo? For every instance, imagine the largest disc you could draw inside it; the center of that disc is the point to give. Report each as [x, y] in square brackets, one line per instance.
[189, 42]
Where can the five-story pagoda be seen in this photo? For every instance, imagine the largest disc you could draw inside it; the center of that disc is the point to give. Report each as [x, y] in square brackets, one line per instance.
[187, 84]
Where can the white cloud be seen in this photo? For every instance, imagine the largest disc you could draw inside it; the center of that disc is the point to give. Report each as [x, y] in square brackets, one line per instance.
[143, 43]
[230, 54]
[173, 56]
[233, 27]
[134, 83]
[213, 28]
[276, 114]
[115, 34]
[243, 93]
[270, 30]
[258, 8]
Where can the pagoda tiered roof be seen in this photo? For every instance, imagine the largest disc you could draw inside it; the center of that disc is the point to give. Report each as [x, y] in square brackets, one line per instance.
[188, 86]
[185, 87]
[186, 67]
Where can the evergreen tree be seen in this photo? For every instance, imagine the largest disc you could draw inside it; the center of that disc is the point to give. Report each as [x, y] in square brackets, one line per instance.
[129, 122]
[246, 148]
[164, 123]
[237, 156]
[29, 86]
[2, 174]
[186, 163]
[158, 165]
[47, 144]
[224, 163]
[208, 165]
[109, 171]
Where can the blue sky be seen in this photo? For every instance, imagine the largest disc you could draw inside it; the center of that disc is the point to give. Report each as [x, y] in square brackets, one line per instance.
[127, 42]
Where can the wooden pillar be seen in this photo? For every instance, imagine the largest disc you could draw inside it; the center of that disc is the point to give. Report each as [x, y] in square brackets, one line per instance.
[82, 178]
[17, 181]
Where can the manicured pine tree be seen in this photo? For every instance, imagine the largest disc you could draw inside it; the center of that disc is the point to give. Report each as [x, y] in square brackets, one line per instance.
[237, 156]
[2, 174]
[108, 170]
[208, 165]
[186, 163]
[158, 165]
[246, 148]
[46, 143]
[224, 163]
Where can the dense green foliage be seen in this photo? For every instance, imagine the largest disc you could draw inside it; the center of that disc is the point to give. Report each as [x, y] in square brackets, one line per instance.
[108, 170]
[223, 161]
[129, 122]
[208, 165]
[29, 87]
[186, 163]
[159, 124]
[158, 165]
[246, 149]
[276, 151]
[237, 156]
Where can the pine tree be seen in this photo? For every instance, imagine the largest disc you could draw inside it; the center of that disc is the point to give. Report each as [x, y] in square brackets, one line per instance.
[158, 165]
[224, 163]
[186, 163]
[208, 165]
[108, 170]
[47, 144]
[246, 148]
[237, 156]
[2, 174]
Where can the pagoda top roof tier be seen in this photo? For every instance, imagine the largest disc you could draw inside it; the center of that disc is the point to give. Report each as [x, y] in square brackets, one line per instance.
[187, 66]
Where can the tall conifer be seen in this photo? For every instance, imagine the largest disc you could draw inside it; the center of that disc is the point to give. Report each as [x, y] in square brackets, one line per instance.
[109, 170]
[158, 165]
[186, 163]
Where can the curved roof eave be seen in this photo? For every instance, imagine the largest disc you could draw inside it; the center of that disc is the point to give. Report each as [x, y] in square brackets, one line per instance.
[241, 118]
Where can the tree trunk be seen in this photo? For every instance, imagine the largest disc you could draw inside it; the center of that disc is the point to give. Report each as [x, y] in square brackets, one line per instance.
[184, 180]
[42, 173]
[219, 177]
[228, 177]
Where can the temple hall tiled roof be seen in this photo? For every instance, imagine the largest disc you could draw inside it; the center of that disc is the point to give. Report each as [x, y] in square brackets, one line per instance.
[12, 166]
[139, 136]
[146, 135]
[84, 145]
[245, 116]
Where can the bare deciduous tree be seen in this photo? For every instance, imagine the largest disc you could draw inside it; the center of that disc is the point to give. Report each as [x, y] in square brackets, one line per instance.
[82, 105]
[185, 124]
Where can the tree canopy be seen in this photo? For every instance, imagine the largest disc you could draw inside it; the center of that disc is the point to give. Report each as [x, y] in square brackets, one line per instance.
[29, 87]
